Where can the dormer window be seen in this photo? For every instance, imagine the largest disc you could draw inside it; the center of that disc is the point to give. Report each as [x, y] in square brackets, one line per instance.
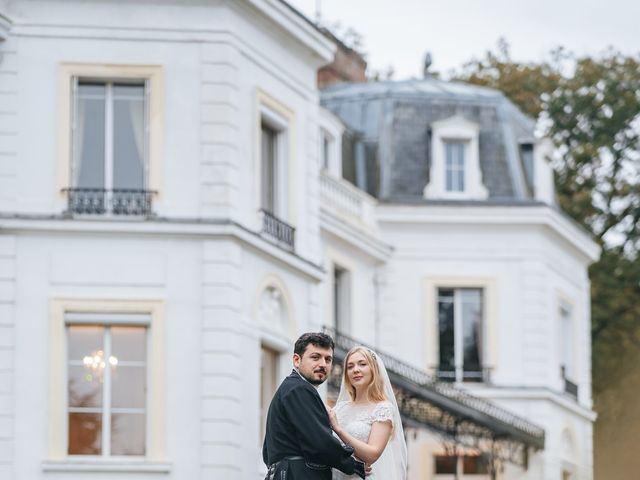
[455, 163]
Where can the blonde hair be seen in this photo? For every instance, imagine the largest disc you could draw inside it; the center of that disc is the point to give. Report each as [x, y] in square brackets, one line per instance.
[375, 390]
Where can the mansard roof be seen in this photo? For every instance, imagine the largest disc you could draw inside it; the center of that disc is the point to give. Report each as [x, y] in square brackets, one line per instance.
[394, 120]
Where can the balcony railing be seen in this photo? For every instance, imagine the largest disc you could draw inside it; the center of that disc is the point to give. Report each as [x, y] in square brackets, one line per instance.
[570, 387]
[277, 229]
[347, 201]
[100, 201]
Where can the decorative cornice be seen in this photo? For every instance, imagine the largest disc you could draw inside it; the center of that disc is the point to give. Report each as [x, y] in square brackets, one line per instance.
[194, 228]
[483, 214]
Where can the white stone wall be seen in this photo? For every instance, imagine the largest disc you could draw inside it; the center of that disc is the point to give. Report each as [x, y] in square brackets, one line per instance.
[526, 269]
[7, 355]
[8, 121]
[224, 345]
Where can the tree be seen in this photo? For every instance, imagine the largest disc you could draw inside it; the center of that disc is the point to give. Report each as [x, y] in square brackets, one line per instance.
[590, 107]
[593, 117]
[522, 83]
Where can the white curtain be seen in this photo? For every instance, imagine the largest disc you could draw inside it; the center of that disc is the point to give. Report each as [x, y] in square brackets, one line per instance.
[137, 115]
[79, 118]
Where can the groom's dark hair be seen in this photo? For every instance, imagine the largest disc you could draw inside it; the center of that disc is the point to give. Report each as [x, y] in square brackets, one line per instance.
[317, 339]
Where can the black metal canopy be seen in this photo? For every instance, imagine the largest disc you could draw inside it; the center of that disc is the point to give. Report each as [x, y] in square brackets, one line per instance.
[450, 411]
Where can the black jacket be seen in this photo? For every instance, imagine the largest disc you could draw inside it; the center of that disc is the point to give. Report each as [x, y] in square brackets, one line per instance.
[298, 425]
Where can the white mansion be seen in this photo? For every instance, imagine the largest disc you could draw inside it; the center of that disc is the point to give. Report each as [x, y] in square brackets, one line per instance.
[179, 201]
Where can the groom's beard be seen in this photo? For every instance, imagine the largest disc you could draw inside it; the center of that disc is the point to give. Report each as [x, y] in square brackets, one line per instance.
[314, 380]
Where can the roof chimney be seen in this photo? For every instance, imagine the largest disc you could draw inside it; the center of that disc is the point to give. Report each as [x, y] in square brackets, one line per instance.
[347, 66]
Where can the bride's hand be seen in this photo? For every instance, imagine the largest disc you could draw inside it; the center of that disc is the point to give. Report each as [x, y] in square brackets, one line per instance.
[333, 419]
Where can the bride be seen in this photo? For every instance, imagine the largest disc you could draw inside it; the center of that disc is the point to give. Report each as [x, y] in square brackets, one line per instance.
[366, 417]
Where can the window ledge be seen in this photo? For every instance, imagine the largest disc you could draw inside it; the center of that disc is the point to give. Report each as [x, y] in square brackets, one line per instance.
[111, 465]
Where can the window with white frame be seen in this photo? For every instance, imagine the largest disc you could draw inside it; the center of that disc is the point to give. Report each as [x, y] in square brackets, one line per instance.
[274, 163]
[110, 147]
[454, 171]
[341, 298]
[460, 334]
[107, 371]
[455, 166]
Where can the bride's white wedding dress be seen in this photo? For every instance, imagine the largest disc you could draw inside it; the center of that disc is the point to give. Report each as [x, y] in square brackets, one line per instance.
[357, 420]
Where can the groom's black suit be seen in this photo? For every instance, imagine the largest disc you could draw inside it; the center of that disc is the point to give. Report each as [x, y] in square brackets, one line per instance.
[298, 426]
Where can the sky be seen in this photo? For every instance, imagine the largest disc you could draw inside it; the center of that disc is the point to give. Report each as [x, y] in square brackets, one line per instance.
[398, 33]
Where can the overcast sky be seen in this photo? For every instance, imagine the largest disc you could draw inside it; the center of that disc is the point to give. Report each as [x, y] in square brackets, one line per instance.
[397, 33]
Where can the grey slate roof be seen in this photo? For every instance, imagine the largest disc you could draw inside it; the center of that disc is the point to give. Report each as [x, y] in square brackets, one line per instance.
[393, 119]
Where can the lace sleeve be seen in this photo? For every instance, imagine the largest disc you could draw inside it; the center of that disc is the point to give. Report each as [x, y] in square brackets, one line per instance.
[383, 412]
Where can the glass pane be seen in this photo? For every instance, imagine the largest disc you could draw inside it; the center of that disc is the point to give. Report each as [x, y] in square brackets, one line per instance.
[128, 434]
[89, 136]
[128, 386]
[85, 433]
[129, 137]
[445, 323]
[449, 155]
[454, 166]
[460, 181]
[474, 465]
[445, 464]
[85, 387]
[450, 187]
[129, 343]
[269, 174]
[460, 167]
[83, 341]
[458, 149]
[471, 300]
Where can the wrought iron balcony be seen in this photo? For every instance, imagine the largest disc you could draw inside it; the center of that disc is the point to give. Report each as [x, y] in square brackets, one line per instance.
[570, 387]
[277, 229]
[449, 410]
[100, 201]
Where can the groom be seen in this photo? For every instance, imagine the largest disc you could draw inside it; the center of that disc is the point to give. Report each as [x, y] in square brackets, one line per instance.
[299, 444]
